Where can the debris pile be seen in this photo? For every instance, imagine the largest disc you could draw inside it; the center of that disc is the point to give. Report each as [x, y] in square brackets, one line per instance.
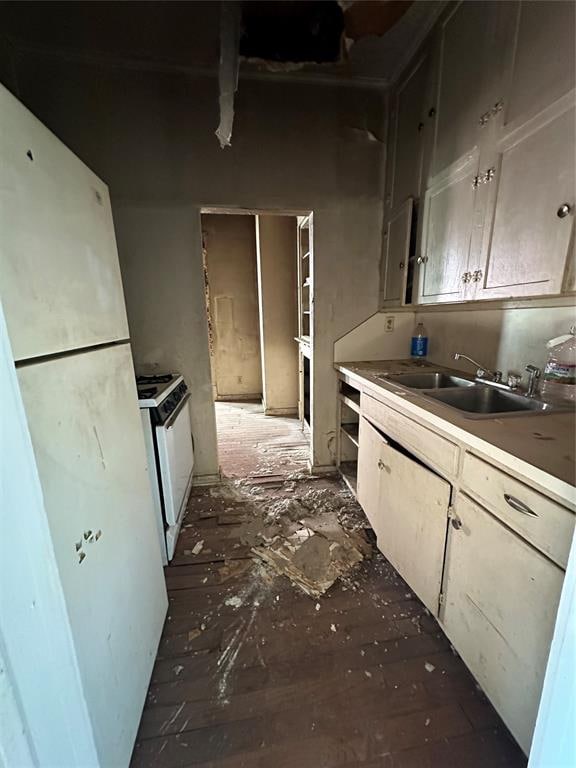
[313, 538]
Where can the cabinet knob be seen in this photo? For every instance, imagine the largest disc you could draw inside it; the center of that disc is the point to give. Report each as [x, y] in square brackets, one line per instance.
[431, 112]
[456, 523]
[381, 464]
[401, 265]
[477, 276]
[564, 210]
[421, 259]
[466, 277]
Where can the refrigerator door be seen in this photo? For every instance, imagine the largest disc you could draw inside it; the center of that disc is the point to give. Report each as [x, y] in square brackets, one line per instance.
[60, 280]
[87, 436]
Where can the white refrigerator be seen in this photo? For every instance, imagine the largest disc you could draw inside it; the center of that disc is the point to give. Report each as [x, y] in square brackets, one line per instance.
[61, 289]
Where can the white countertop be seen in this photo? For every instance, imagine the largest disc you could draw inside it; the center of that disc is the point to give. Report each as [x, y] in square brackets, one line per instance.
[542, 447]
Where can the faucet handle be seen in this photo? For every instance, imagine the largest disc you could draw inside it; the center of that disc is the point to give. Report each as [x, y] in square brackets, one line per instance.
[534, 370]
[513, 380]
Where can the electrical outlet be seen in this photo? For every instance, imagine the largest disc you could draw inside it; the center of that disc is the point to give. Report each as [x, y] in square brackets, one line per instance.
[389, 324]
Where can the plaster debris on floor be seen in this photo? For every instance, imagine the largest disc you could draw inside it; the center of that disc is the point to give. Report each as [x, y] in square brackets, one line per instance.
[313, 536]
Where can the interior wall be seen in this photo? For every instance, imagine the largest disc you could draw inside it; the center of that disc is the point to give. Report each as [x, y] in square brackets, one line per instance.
[150, 136]
[230, 253]
[501, 339]
[372, 340]
[506, 339]
[163, 276]
[276, 249]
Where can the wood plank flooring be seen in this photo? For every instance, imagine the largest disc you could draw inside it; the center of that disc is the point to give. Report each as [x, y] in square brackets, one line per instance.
[252, 673]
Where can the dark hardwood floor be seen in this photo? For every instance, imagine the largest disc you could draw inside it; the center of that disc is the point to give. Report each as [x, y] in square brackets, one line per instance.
[251, 672]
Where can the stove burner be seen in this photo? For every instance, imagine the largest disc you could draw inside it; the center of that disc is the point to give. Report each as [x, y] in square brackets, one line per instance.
[154, 379]
[146, 394]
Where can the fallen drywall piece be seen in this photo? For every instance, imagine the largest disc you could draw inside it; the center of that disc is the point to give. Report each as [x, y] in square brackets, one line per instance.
[313, 539]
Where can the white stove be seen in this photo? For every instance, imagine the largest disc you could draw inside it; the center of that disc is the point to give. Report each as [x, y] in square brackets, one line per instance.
[165, 412]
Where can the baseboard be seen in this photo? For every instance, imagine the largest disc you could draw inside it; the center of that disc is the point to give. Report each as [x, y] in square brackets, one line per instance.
[207, 479]
[322, 469]
[281, 412]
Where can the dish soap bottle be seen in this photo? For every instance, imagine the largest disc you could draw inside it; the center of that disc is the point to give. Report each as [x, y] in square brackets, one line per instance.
[419, 346]
[560, 371]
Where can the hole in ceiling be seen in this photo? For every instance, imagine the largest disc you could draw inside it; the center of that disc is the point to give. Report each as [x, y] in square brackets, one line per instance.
[292, 32]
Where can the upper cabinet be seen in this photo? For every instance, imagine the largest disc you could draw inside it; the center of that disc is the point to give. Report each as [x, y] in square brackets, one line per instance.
[543, 64]
[405, 150]
[494, 153]
[463, 78]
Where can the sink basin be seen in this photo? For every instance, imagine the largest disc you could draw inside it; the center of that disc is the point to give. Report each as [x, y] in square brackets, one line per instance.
[429, 380]
[484, 401]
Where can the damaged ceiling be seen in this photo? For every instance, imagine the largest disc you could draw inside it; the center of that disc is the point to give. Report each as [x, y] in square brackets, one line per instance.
[356, 41]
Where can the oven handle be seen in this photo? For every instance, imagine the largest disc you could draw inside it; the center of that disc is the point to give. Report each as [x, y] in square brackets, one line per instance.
[174, 415]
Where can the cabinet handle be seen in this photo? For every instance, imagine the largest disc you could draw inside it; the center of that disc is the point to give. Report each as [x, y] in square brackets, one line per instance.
[518, 505]
[564, 210]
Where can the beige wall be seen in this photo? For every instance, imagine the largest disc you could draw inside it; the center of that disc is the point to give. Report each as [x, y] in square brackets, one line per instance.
[276, 247]
[504, 338]
[230, 244]
[150, 136]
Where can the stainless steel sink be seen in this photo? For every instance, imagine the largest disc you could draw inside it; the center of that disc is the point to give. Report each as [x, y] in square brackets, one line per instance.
[428, 380]
[485, 401]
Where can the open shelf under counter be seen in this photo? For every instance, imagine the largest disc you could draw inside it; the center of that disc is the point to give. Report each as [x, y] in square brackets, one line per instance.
[351, 432]
[349, 472]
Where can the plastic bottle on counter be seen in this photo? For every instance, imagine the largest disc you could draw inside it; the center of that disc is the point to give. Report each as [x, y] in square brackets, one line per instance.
[419, 346]
[559, 380]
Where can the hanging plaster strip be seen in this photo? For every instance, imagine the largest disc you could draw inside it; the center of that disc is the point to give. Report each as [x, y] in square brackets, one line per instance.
[230, 17]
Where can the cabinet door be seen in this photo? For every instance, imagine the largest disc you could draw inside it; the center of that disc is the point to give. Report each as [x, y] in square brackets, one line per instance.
[368, 482]
[543, 68]
[500, 603]
[529, 242]
[465, 88]
[448, 221]
[406, 133]
[397, 253]
[407, 505]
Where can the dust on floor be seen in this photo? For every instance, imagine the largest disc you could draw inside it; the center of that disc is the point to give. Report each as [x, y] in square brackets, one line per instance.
[272, 655]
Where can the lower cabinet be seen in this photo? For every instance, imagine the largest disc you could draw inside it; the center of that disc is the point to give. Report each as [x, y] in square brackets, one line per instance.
[407, 506]
[500, 602]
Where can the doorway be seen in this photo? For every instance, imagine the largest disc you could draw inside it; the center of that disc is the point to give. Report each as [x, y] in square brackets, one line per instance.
[251, 280]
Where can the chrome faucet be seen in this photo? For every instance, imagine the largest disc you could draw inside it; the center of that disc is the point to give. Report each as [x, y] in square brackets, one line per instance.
[533, 380]
[481, 370]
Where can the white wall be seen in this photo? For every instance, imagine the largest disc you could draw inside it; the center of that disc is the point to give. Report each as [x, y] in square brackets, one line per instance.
[506, 339]
[151, 137]
[163, 280]
[503, 339]
[372, 341]
[43, 712]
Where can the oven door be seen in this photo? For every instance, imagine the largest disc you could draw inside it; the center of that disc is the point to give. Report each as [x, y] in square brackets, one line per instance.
[176, 459]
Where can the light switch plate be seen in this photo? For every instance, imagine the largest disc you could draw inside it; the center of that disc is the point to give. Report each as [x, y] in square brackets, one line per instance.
[389, 324]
